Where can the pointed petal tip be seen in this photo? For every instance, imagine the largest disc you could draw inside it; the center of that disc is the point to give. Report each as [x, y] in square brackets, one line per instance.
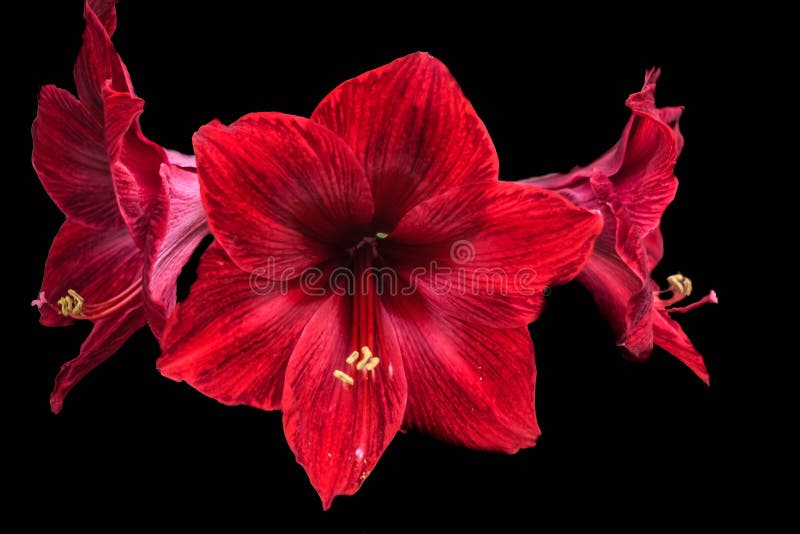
[56, 402]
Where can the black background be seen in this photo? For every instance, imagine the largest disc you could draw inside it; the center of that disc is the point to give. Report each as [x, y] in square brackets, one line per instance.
[620, 440]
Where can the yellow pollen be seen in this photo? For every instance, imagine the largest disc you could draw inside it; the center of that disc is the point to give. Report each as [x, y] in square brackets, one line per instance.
[372, 364]
[352, 358]
[72, 304]
[680, 284]
[366, 357]
[344, 377]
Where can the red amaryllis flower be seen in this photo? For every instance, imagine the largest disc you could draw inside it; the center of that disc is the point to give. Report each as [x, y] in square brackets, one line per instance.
[631, 185]
[133, 218]
[393, 173]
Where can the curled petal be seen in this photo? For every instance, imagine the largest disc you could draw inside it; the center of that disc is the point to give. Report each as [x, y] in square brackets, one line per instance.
[174, 236]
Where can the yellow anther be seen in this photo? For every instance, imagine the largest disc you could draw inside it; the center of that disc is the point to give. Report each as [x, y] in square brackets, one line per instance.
[680, 284]
[352, 358]
[344, 377]
[366, 357]
[72, 304]
[79, 300]
[372, 364]
[381, 235]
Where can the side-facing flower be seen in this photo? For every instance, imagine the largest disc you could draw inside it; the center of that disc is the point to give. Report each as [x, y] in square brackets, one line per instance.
[631, 185]
[133, 218]
[293, 309]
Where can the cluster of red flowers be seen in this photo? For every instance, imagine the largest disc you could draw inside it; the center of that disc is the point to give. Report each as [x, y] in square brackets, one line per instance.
[393, 173]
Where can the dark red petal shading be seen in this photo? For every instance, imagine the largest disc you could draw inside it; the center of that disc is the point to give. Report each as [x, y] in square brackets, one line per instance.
[97, 64]
[414, 132]
[281, 192]
[503, 244]
[107, 336]
[338, 432]
[175, 234]
[69, 155]
[467, 384]
[624, 300]
[106, 13]
[232, 337]
[135, 163]
[98, 264]
[669, 335]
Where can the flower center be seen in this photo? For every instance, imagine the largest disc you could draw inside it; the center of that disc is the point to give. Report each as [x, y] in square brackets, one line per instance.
[75, 306]
[362, 361]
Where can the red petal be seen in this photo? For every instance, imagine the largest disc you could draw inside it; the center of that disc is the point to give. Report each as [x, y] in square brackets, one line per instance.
[106, 338]
[635, 179]
[467, 385]
[106, 13]
[414, 132]
[97, 63]
[69, 155]
[623, 298]
[135, 163]
[670, 336]
[175, 235]
[98, 264]
[503, 244]
[281, 192]
[337, 431]
[232, 338]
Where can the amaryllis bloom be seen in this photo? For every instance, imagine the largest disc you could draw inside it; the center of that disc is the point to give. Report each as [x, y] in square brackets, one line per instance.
[133, 218]
[631, 185]
[393, 174]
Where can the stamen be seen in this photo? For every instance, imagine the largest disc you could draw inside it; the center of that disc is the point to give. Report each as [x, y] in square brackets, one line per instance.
[352, 358]
[381, 235]
[74, 305]
[680, 287]
[344, 377]
[367, 356]
[680, 284]
[372, 364]
[79, 300]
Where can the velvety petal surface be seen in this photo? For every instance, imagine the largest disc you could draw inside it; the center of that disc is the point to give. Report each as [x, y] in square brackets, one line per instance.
[232, 337]
[414, 132]
[467, 384]
[98, 264]
[669, 335]
[69, 156]
[281, 192]
[496, 248]
[174, 235]
[338, 431]
[97, 64]
[106, 13]
[106, 338]
[135, 163]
